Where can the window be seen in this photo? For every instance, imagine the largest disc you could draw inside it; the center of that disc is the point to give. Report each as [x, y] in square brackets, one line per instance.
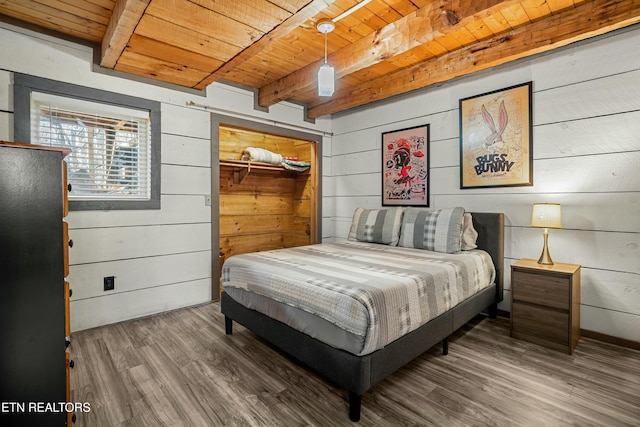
[114, 160]
[109, 145]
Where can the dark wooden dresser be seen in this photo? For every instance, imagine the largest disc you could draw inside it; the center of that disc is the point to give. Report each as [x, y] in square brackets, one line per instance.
[34, 307]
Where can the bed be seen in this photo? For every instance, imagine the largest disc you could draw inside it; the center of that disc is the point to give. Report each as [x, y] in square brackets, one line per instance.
[262, 292]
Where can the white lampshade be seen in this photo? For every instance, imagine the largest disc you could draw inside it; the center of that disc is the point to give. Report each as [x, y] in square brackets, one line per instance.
[546, 215]
[326, 80]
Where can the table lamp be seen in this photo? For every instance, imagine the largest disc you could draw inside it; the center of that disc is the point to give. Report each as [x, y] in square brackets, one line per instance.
[546, 215]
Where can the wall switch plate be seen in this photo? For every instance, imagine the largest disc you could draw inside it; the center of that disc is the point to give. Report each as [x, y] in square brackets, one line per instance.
[109, 283]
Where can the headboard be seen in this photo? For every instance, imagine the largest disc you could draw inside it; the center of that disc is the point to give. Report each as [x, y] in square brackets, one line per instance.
[490, 228]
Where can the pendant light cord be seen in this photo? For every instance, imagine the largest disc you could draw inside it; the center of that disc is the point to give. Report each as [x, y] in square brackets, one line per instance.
[325, 48]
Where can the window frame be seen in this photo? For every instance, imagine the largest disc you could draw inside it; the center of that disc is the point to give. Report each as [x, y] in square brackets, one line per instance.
[24, 84]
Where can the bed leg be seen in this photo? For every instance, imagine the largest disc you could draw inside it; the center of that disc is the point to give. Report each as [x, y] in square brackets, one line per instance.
[445, 346]
[493, 310]
[228, 325]
[355, 401]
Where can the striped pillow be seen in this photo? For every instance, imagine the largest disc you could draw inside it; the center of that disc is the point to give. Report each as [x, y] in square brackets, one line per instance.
[376, 225]
[439, 230]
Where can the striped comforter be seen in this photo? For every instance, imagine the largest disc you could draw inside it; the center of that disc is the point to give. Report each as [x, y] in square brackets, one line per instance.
[375, 291]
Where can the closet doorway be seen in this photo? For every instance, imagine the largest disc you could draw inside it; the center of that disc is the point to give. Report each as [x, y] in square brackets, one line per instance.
[263, 203]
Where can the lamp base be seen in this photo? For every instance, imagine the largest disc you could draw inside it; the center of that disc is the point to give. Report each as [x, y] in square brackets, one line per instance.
[545, 257]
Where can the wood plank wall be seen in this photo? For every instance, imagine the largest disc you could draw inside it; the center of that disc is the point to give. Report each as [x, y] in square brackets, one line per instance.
[161, 259]
[265, 210]
[586, 148]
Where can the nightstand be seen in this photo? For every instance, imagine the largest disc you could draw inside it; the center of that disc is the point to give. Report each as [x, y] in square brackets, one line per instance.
[545, 304]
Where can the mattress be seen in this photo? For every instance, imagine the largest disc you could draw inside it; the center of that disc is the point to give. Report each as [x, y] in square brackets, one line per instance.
[355, 296]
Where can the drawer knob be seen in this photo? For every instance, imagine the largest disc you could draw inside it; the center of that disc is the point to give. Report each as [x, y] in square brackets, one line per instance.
[71, 364]
[69, 187]
[70, 243]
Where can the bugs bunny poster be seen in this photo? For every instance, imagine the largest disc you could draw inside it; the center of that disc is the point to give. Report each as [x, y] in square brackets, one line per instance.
[496, 138]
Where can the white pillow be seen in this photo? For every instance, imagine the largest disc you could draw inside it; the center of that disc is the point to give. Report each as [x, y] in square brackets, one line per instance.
[469, 234]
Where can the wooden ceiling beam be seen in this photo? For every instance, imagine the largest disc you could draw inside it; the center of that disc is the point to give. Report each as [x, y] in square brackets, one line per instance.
[123, 21]
[429, 23]
[307, 12]
[586, 20]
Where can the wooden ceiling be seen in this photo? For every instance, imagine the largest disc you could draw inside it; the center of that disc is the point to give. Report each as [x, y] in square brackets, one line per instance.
[385, 48]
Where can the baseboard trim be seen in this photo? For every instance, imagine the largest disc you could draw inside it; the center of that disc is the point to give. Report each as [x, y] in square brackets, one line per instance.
[610, 339]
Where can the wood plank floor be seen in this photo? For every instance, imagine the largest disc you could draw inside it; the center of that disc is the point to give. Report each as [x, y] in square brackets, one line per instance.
[179, 369]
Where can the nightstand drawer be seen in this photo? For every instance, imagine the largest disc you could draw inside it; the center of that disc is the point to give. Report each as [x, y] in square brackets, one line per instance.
[540, 322]
[541, 289]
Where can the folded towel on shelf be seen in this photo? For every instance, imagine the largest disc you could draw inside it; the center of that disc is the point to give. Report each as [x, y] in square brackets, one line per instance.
[266, 156]
[261, 155]
[295, 165]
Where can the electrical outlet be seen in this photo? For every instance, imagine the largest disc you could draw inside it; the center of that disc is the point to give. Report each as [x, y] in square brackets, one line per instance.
[109, 283]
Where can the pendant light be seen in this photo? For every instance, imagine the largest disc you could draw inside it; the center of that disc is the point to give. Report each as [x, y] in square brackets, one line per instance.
[326, 73]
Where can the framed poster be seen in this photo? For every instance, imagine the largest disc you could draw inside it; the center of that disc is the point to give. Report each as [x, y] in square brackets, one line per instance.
[405, 167]
[496, 138]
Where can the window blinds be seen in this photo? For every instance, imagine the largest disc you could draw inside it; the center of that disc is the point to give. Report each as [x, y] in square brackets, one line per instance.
[110, 145]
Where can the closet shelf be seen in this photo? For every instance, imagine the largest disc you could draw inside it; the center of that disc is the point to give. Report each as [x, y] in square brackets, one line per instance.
[242, 168]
